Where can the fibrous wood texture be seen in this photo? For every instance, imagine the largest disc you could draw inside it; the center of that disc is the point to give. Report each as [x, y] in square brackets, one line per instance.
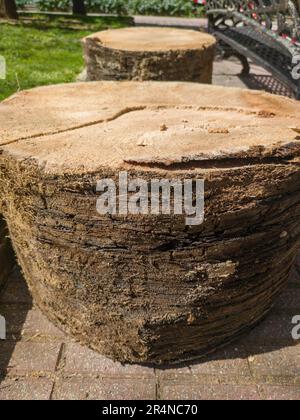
[148, 288]
[149, 54]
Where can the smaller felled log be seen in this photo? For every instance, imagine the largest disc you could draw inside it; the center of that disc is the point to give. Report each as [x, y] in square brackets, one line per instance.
[149, 54]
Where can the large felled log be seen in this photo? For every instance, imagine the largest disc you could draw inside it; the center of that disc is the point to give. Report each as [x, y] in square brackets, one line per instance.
[149, 54]
[148, 288]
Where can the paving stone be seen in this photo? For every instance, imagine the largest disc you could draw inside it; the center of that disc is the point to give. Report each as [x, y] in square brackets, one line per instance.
[26, 389]
[228, 73]
[28, 322]
[276, 328]
[104, 389]
[231, 361]
[16, 290]
[37, 323]
[193, 391]
[80, 359]
[295, 274]
[277, 393]
[15, 316]
[290, 299]
[279, 362]
[23, 357]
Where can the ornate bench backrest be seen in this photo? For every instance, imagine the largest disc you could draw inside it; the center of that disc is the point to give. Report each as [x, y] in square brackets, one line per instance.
[277, 18]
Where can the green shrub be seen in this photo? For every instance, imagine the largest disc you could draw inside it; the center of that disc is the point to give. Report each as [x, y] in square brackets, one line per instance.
[22, 3]
[163, 7]
[53, 5]
[123, 7]
[118, 7]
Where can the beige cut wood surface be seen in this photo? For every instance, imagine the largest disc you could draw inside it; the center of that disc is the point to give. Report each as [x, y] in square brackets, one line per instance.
[83, 127]
[153, 39]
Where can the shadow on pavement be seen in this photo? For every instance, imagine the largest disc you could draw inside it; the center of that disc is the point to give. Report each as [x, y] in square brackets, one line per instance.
[266, 83]
[15, 303]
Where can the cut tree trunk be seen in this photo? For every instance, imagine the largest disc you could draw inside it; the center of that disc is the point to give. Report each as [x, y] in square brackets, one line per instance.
[149, 54]
[78, 7]
[8, 9]
[148, 288]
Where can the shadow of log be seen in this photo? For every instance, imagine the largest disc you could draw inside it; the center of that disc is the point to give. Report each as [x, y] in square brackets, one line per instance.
[7, 259]
[15, 300]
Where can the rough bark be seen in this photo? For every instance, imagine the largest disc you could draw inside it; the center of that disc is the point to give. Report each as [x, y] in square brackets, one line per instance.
[78, 7]
[147, 288]
[8, 9]
[149, 54]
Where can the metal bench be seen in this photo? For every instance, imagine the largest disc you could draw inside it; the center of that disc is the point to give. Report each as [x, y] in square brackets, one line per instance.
[265, 31]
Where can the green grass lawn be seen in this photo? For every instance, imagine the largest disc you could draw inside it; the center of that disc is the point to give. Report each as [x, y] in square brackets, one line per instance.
[44, 49]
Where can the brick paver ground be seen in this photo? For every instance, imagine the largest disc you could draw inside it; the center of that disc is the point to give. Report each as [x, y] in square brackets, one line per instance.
[38, 361]
[226, 72]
